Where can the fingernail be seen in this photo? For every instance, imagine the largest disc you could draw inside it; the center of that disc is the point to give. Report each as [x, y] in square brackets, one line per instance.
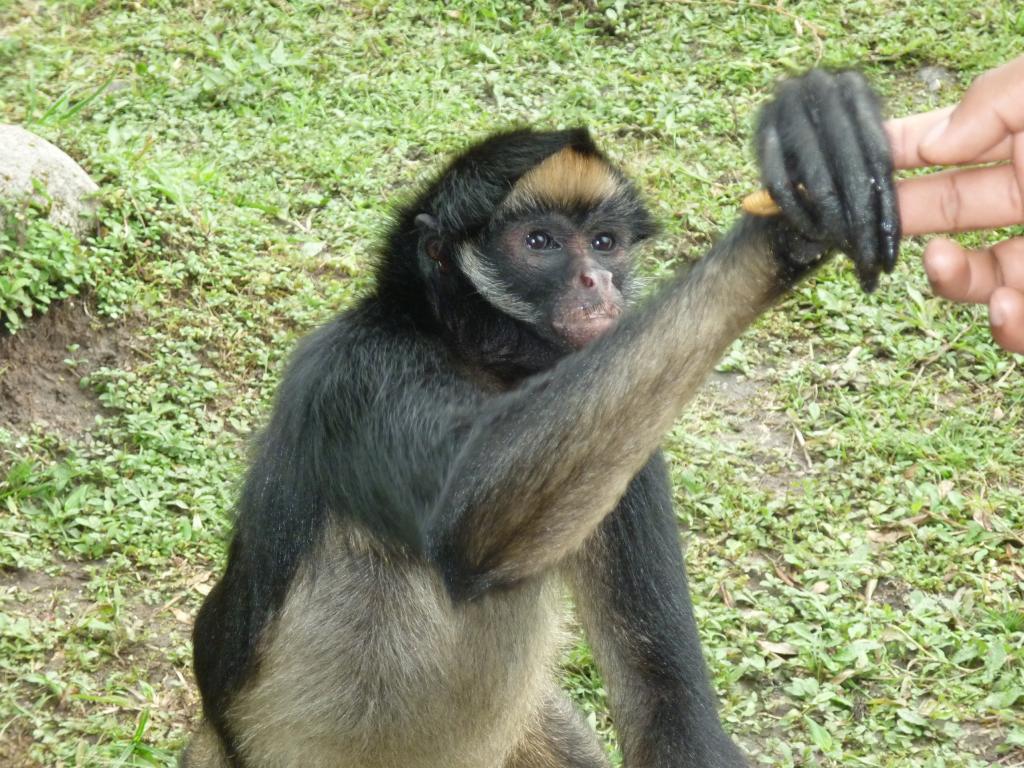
[934, 134]
[996, 316]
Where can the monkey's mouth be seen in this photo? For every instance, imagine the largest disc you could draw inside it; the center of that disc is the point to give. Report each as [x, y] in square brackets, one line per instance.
[582, 324]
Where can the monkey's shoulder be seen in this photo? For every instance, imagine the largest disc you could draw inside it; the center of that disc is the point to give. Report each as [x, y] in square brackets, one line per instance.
[369, 348]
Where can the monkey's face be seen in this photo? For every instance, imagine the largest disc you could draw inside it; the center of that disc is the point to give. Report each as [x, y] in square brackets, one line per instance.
[571, 270]
[557, 252]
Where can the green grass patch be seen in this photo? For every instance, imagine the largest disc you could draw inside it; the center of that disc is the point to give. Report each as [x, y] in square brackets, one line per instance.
[39, 263]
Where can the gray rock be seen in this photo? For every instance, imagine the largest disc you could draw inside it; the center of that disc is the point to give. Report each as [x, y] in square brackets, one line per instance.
[24, 157]
[936, 78]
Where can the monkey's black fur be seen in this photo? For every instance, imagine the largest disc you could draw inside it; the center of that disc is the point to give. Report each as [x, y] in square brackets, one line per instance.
[294, 478]
[484, 449]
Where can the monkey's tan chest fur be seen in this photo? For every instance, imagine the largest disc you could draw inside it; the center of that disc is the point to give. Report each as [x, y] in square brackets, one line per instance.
[371, 662]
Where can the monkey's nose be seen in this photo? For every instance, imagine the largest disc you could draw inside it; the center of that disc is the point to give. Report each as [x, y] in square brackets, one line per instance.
[595, 278]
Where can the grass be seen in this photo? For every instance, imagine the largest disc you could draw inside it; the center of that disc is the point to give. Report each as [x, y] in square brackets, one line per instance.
[39, 263]
[851, 479]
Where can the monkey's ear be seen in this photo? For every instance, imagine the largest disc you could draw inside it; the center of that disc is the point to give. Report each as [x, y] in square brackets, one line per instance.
[427, 223]
[431, 244]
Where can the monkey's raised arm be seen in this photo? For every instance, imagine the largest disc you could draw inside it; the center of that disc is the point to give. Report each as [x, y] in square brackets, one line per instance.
[543, 465]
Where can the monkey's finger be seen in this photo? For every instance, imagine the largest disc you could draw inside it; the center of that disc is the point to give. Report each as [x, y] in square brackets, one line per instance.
[842, 147]
[875, 146]
[776, 176]
[812, 168]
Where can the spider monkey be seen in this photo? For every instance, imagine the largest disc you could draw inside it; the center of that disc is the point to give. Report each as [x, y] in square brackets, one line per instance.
[482, 430]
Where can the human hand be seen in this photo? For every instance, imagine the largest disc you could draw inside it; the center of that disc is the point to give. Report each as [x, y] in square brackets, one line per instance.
[986, 127]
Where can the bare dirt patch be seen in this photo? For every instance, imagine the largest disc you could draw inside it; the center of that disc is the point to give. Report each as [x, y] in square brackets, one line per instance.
[46, 593]
[14, 747]
[892, 592]
[145, 665]
[755, 422]
[987, 740]
[39, 597]
[37, 384]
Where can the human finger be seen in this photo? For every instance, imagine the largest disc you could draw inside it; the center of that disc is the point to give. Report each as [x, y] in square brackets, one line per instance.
[992, 109]
[906, 133]
[1006, 318]
[962, 200]
[960, 274]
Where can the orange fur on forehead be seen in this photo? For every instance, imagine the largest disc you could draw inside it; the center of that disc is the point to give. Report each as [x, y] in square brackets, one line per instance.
[566, 178]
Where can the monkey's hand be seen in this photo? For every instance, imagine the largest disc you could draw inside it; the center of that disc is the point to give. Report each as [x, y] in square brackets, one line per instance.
[826, 161]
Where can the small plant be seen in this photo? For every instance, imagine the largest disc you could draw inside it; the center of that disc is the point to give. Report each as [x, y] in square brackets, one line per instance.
[39, 263]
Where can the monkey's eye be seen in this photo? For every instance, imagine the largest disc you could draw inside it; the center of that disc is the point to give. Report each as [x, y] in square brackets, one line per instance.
[539, 240]
[603, 242]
